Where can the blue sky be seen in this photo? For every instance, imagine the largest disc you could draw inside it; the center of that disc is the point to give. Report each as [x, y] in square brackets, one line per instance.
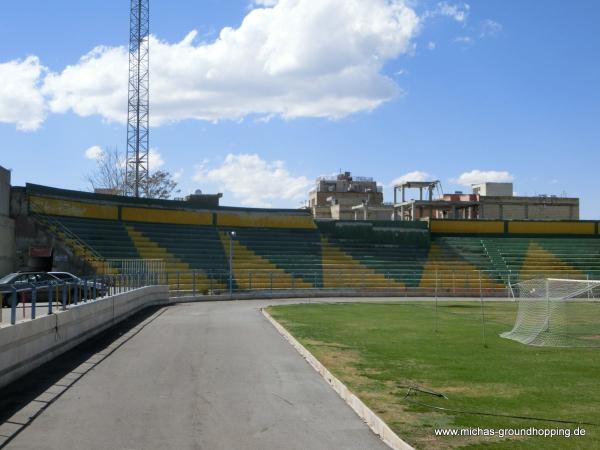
[487, 89]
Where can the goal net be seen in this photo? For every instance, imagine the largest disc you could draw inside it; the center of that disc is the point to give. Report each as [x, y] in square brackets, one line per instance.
[557, 313]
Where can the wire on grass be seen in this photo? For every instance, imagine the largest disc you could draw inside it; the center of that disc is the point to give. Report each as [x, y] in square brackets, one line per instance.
[417, 389]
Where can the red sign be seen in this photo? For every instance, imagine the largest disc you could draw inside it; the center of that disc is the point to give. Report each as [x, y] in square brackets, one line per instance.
[40, 252]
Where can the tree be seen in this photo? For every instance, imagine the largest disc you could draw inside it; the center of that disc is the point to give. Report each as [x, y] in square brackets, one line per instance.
[161, 185]
[109, 175]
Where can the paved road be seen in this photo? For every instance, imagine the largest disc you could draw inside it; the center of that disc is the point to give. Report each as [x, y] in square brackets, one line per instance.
[194, 376]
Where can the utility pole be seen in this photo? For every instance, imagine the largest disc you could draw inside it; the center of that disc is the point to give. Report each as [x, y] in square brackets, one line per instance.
[231, 235]
[138, 105]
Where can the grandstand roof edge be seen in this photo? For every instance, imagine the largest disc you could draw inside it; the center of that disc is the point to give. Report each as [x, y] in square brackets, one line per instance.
[512, 220]
[396, 224]
[37, 189]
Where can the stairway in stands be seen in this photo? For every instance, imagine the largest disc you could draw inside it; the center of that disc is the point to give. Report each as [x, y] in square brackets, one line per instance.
[528, 258]
[451, 273]
[80, 248]
[474, 251]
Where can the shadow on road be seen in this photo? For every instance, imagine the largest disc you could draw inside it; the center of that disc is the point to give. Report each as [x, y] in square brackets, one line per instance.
[24, 400]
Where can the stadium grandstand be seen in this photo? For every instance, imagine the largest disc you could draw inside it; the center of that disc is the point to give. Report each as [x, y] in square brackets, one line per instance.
[212, 249]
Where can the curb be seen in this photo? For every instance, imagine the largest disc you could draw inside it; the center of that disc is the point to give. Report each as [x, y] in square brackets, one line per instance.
[378, 426]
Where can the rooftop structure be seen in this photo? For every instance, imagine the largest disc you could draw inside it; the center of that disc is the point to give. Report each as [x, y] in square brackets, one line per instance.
[334, 197]
[429, 186]
[487, 201]
[204, 200]
[493, 189]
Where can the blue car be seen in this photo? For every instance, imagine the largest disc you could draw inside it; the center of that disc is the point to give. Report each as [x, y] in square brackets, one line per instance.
[23, 281]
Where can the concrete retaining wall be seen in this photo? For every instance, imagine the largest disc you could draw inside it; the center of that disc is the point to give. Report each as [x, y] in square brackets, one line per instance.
[27, 345]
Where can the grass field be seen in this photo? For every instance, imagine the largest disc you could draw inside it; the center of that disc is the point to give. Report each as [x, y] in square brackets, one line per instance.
[379, 350]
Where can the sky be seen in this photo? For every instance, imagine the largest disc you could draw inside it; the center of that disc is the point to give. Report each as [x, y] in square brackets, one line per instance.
[256, 99]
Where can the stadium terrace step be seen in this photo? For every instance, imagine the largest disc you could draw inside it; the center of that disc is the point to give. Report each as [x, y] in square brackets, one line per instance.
[447, 271]
[79, 248]
[179, 271]
[252, 271]
[400, 262]
[108, 238]
[540, 262]
[297, 252]
[336, 261]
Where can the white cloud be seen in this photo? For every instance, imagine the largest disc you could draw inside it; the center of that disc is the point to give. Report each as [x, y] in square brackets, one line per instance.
[178, 174]
[155, 160]
[254, 181]
[94, 153]
[490, 28]
[416, 175]
[265, 2]
[456, 11]
[431, 45]
[21, 102]
[290, 58]
[483, 176]
[93, 86]
[463, 40]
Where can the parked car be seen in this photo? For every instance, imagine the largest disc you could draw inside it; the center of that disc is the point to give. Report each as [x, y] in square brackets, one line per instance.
[101, 288]
[42, 280]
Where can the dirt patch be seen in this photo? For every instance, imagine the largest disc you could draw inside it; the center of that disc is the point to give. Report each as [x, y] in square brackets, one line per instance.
[592, 337]
[314, 343]
[481, 390]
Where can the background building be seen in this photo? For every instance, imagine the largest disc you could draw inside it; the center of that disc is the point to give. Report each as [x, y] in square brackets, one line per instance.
[333, 198]
[360, 198]
[487, 201]
[7, 225]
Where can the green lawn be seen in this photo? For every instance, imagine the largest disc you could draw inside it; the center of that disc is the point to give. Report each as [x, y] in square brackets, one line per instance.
[380, 349]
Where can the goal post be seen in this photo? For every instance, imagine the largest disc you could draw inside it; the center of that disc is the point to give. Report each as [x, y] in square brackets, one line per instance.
[556, 312]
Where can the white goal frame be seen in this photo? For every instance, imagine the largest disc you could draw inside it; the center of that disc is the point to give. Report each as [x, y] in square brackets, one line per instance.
[548, 314]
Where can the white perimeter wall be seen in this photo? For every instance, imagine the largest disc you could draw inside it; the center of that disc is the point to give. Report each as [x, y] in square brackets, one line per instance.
[28, 345]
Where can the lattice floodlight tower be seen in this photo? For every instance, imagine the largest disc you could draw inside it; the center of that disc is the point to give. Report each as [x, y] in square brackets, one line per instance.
[556, 312]
[138, 107]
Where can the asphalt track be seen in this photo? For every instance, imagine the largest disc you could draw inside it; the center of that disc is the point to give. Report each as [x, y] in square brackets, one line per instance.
[213, 375]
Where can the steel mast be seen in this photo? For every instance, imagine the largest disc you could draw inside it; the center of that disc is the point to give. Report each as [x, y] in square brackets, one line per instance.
[138, 106]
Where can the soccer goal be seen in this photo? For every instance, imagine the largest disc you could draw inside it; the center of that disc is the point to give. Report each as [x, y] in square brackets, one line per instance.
[557, 312]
